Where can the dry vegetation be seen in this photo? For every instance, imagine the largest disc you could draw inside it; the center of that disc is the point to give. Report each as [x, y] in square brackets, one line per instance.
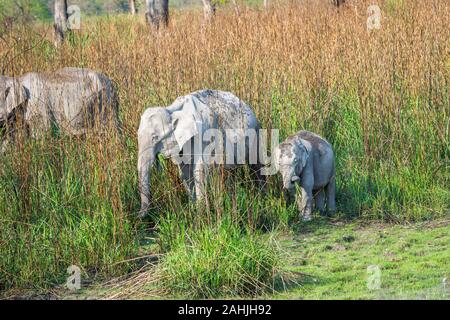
[380, 96]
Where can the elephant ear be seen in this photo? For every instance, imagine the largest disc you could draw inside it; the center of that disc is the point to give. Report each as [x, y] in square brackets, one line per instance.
[187, 122]
[305, 152]
[15, 96]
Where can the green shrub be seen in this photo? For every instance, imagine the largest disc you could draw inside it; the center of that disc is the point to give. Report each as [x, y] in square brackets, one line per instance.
[220, 261]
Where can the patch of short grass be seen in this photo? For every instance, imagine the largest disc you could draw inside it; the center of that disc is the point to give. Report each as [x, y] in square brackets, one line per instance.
[333, 257]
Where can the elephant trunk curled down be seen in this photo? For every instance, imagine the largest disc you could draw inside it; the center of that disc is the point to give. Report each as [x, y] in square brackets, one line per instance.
[175, 132]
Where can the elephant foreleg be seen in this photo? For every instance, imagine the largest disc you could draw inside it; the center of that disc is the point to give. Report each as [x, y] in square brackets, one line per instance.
[187, 176]
[305, 206]
[200, 179]
[305, 203]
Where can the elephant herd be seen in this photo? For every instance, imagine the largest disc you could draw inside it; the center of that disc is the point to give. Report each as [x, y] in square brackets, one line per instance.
[203, 128]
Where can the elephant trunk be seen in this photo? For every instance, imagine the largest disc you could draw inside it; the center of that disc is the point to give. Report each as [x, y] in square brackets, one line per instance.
[145, 161]
[287, 180]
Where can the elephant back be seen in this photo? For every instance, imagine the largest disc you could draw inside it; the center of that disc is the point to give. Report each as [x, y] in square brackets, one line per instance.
[69, 97]
[231, 112]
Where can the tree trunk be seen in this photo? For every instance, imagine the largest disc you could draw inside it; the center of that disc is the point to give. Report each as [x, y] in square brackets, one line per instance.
[236, 7]
[132, 6]
[61, 17]
[209, 9]
[338, 3]
[157, 12]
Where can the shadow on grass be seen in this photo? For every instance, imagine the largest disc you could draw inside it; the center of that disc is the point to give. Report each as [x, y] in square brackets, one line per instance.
[322, 222]
[292, 280]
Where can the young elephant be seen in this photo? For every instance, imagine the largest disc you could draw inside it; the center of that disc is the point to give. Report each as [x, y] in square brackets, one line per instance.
[307, 159]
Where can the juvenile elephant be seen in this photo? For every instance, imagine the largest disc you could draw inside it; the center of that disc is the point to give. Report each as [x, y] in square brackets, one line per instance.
[72, 99]
[174, 132]
[307, 159]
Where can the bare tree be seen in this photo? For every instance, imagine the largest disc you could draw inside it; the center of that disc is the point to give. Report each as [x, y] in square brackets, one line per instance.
[236, 7]
[61, 17]
[132, 6]
[157, 12]
[209, 9]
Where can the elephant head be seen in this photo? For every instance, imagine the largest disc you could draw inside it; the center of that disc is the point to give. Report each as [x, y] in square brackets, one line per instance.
[165, 131]
[13, 96]
[290, 158]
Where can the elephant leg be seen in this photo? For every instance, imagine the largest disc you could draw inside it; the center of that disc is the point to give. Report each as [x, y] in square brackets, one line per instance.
[305, 203]
[320, 201]
[187, 176]
[331, 195]
[4, 145]
[200, 179]
[305, 206]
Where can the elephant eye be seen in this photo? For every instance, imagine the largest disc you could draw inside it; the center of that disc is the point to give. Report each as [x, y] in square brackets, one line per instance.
[154, 138]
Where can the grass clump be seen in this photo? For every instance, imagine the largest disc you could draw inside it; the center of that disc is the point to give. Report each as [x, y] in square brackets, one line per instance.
[221, 261]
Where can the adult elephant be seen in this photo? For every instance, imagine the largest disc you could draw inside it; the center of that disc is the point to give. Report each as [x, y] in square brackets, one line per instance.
[72, 99]
[178, 130]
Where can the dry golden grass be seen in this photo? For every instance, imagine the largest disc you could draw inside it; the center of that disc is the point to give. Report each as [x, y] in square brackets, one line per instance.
[380, 96]
[296, 48]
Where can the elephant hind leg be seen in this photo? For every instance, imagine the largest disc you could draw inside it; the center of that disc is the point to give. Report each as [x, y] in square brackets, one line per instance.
[331, 195]
[320, 201]
[187, 176]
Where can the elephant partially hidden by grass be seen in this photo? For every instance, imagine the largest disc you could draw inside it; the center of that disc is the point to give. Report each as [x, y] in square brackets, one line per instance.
[72, 99]
[177, 130]
[307, 159]
[13, 103]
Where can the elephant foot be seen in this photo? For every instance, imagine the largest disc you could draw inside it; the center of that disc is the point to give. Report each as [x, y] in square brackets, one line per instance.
[331, 213]
[142, 214]
[305, 218]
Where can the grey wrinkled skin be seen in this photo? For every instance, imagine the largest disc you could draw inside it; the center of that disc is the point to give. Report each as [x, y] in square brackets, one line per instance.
[73, 99]
[167, 131]
[307, 159]
[13, 103]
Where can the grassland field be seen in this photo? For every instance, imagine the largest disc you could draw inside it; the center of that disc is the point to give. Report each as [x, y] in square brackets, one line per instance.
[379, 96]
